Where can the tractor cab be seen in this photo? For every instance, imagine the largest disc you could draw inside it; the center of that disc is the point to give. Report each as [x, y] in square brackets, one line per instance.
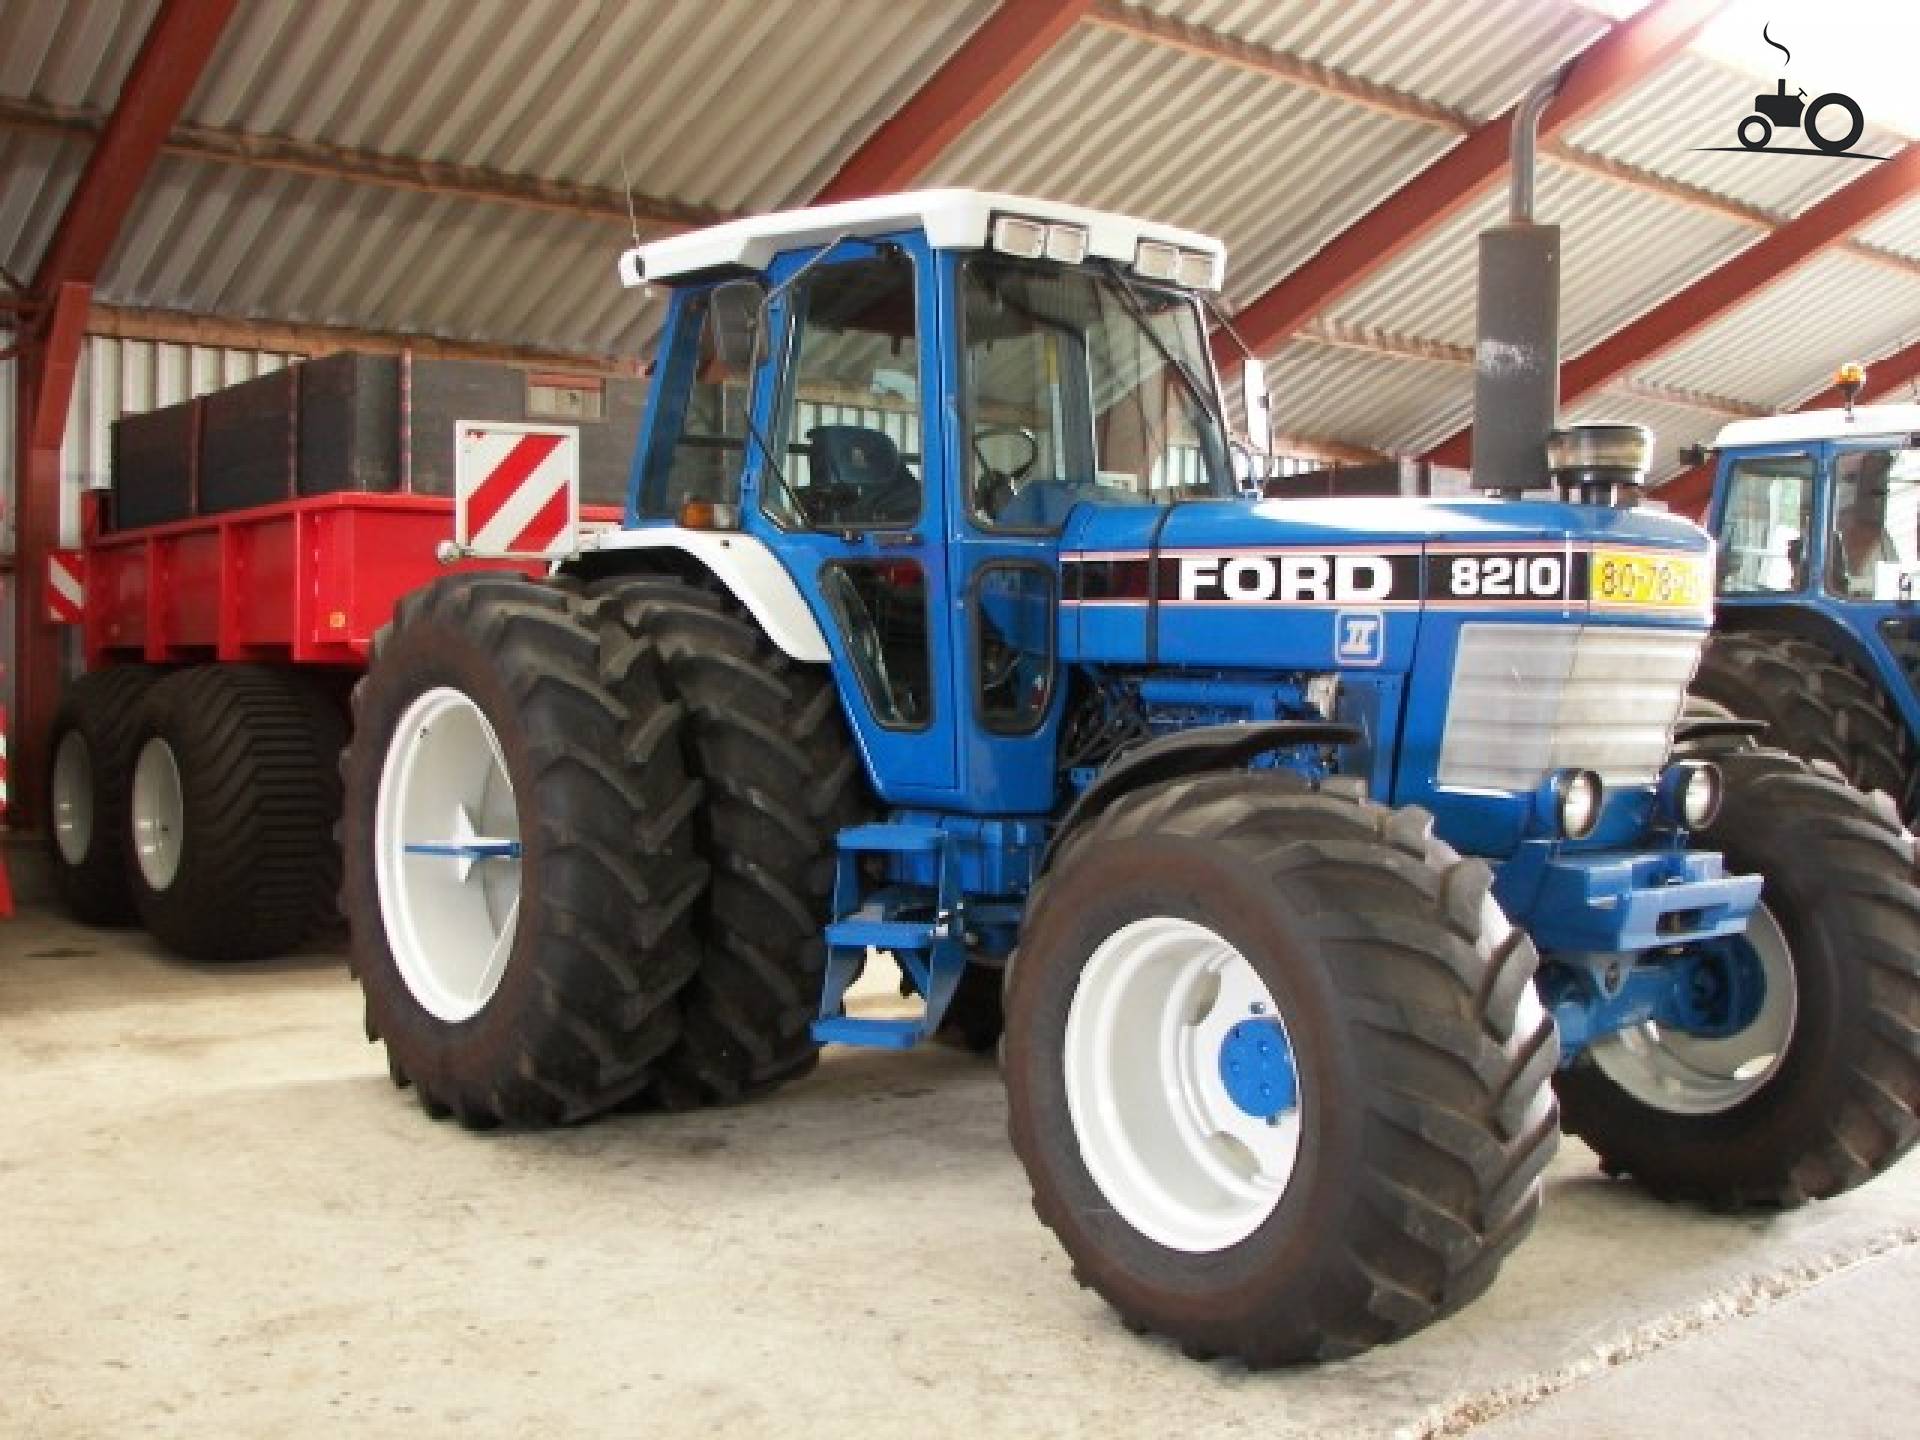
[1818, 518]
[898, 404]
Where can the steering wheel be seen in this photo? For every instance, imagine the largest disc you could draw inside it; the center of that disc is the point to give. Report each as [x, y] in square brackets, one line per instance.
[828, 501]
[1020, 471]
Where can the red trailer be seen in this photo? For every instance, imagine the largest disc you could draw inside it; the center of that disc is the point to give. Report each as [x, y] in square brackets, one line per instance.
[193, 781]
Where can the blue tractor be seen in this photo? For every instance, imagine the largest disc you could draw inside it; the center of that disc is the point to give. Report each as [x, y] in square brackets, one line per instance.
[1818, 631]
[1321, 855]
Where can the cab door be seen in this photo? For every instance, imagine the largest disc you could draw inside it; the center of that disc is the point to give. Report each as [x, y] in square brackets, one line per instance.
[854, 506]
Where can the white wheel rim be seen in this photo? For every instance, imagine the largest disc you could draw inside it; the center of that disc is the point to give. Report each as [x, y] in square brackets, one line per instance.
[159, 814]
[1172, 1151]
[447, 855]
[1696, 1075]
[73, 798]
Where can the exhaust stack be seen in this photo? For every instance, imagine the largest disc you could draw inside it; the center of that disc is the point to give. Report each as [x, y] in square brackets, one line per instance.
[1516, 368]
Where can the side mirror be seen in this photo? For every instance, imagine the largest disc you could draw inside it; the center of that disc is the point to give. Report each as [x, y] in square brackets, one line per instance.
[1257, 406]
[736, 308]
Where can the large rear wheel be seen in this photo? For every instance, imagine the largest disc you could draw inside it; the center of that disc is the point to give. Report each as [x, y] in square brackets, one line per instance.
[1276, 1068]
[521, 878]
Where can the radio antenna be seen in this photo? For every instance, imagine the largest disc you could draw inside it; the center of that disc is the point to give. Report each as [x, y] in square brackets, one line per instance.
[627, 185]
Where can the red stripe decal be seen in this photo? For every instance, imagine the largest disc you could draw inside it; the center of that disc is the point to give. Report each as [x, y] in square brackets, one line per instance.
[546, 526]
[498, 488]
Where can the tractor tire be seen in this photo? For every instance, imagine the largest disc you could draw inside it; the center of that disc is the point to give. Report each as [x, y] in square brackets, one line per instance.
[90, 751]
[766, 735]
[1814, 704]
[540, 986]
[1423, 1110]
[231, 808]
[1693, 1121]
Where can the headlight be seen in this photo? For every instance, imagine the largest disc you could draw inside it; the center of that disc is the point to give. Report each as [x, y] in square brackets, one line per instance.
[1577, 795]
[1155, 261]
[1196, 270]
[1690, 793]
[1026, 239]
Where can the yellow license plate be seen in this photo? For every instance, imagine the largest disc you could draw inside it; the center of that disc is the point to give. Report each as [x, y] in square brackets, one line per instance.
[1636, 580]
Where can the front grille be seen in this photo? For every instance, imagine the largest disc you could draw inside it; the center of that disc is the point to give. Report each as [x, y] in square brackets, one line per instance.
[1531, 699]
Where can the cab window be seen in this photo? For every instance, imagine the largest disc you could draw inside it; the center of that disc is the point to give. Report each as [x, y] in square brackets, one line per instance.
[849, 440]
[1766, 524]
[1874, 547]
[698, 446]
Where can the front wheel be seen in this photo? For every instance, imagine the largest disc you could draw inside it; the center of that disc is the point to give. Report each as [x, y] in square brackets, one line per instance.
[1818, 1091]
[1276, 1068]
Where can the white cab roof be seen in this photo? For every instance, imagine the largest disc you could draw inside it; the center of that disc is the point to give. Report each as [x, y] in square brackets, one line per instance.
[952, 219]
[1867, 421]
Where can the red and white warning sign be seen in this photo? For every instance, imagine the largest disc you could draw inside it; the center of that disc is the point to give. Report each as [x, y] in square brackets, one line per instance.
[516, 488]
[66, 587]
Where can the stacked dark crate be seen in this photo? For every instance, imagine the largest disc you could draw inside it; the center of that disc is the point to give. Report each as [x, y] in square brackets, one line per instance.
[370, 423]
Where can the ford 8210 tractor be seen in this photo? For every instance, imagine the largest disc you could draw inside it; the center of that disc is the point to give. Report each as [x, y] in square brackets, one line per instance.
[1312, 846]
[1817, 632]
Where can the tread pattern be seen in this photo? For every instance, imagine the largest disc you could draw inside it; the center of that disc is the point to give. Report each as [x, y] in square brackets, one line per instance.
[104, 706]
[1436, 990]
[1836, 863]
[590, 1001]
[1816, 705]
[766, 735]
[258, 866]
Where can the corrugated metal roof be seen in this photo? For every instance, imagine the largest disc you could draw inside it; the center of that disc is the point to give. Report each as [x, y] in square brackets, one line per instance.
[1622, 250]
[1474, 58]
[1112, 121]
[218, 240]
[740, 104]
[71, 52]
[1898, 230]
[1784, 343]
[37, 175]
[1328, 392]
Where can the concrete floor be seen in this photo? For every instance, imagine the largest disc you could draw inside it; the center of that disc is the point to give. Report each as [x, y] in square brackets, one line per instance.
[218, 1218]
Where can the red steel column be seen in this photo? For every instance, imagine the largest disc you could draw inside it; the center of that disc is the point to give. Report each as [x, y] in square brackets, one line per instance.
[172, 58]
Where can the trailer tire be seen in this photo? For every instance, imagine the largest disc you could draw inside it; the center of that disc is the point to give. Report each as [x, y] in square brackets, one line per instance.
[766, 736]
[90, 753]
[1814, 703]
[232, 800]
[1424, 1111]
[1842, 1101]
[595, 941]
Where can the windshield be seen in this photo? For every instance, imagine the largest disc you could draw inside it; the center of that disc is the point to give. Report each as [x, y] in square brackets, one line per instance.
[1082, 387]
[1873, 548]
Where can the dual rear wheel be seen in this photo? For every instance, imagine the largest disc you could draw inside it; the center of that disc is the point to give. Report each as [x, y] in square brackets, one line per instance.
[199, 802]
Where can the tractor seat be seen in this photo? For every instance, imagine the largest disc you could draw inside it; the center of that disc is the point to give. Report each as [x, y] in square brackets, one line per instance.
[865, 466]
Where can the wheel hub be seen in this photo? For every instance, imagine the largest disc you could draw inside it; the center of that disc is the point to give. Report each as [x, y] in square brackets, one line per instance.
[73, 798]
[1181, 1084]
[1256, 1066]
[447, 855]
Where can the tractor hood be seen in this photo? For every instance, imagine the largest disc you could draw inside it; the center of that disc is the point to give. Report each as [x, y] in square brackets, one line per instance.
[1324, 584]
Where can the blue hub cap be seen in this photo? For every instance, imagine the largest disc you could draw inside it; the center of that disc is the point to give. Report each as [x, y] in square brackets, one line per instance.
[1256, 1066]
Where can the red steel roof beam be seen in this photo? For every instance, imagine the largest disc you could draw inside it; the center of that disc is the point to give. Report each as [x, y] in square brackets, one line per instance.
[174, 54]
[976, 77]
[1826, 224]
[1614, 63]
